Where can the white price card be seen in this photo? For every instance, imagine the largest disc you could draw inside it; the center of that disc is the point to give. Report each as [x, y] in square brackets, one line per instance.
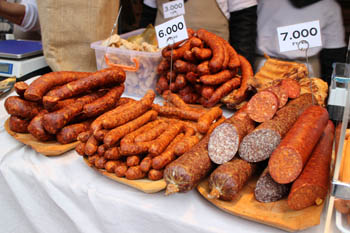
[290, 36]
[171, 31]
[173, 8]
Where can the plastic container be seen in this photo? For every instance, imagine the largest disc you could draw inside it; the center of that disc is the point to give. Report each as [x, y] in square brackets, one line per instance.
[341, 223]
[140, 67]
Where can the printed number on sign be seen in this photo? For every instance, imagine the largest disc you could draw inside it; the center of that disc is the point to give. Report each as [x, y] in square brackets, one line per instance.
[173, 8]
[171, 31]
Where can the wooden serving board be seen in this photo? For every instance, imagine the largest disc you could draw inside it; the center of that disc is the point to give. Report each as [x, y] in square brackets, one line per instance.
[276, 214]
[51, 148]
[145, 185]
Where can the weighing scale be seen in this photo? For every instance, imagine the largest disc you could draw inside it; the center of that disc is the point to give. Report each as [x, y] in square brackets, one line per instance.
[21, 58]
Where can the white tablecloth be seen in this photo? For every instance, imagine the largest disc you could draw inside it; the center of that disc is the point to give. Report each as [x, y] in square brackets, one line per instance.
[41, 194]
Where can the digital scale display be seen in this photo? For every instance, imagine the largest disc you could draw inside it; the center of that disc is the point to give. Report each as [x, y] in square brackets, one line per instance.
[5, 68]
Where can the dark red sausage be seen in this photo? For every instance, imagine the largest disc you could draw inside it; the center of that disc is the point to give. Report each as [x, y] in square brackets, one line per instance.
[18, 124]
[70, 133]
[289, 158]
[313, 182]
[16, 106]
[20, 88]
[36, 127]
[262, 106]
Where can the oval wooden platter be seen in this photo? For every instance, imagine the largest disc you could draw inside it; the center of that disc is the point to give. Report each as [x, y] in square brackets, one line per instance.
[276, 214]
[144, 185]
[51, 148]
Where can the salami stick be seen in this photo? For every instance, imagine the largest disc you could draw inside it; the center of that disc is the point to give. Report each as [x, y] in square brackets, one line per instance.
[70, 133]
[54, 121]
[289, 158]
[312, 185]
[262, 106]
[113, 136]
[20, 88]
[260, 143]
[229, 178]
[152, 133]
[168, 155]
[226, 138]
[100, 78]
[43, 84]
[16, 106]
[131, 112]
[267, 190]
[36, 128]
[207, 118]
[18, 124]
[104, 103]
[165, 139]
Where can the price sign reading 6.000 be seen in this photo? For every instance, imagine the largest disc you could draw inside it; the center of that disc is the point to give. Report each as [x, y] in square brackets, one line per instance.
[290, 36]
[171, 31]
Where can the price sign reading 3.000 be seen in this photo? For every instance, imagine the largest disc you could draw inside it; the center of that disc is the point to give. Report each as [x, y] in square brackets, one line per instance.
[173, 8]
[171, 31]
[290, 36]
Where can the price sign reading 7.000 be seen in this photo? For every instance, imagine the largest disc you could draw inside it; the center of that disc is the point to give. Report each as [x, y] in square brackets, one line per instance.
[290, 36]
[171, 31]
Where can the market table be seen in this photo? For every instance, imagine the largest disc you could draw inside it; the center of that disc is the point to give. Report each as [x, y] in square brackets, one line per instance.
[62, 194]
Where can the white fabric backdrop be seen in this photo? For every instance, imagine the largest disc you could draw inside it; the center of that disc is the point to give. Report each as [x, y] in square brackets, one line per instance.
[41, 194]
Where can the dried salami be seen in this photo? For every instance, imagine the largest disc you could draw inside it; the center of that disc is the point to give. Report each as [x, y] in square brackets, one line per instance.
[292, 87]
[281, 93]
[262, 106]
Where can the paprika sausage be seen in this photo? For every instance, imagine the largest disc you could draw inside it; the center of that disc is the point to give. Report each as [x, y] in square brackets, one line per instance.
[18, 124]
[289, 158]
[218, 78]
[70, 133]
[16, 106]
[36, 127]
[20, 88]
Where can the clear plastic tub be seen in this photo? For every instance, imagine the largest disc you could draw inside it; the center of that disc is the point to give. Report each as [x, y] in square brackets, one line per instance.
[142, 66]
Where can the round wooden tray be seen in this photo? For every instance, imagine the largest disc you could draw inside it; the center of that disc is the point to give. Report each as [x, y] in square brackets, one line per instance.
[276, 214]
[51, 148]
[144, 185]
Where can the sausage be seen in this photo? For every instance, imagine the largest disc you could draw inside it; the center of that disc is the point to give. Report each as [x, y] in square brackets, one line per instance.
[185, 145]
[91, 145]
[180, 81]
[229, 178]
[222, 91]
[133, 160]
[130, 138]
[120, 170]
[262, 106]
[312, 185]
[100, 162]
[154, 174]
[80, 148]
[185, 172]
[196, 42]
[146, 164]
[18, 124]
[132, 111]
[101, 150]
[100, 134]
[162, 85]
[176, 100]
[218, 78]
[60, 104]
[207, 91]
[260, 143]
[160, 161]
[83, 136]
[159, 145]
[20, 88]
[177, 112]
[92, 159]
[191, 77]
[216, 45]
[225, 139]
[46, 82]
[234, 58]
[111, 165]
[203, 68]
[281, 93]
[201, 53]
[267, 190]
[112, 153]
[289, 158]
[177, 53]
[134, 173]
[36, 127]
[70, 133]
[101, 78]
[292, 87]
[113, 136]
[54, 121]
[189, 56]
[207, 118]
[163, 66]
[184, 67]
[104, 103]
[16, 106]
[171, 75]
[215, 124]
[190, 98]
[152, 133]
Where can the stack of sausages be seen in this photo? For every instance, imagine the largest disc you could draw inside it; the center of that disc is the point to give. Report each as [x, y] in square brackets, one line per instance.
[138, 139]
[204, 69]
[60, 105]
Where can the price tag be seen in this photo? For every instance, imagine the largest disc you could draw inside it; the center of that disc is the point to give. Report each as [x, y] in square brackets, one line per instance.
[171, 31]
[173, 8]
[290, 36]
